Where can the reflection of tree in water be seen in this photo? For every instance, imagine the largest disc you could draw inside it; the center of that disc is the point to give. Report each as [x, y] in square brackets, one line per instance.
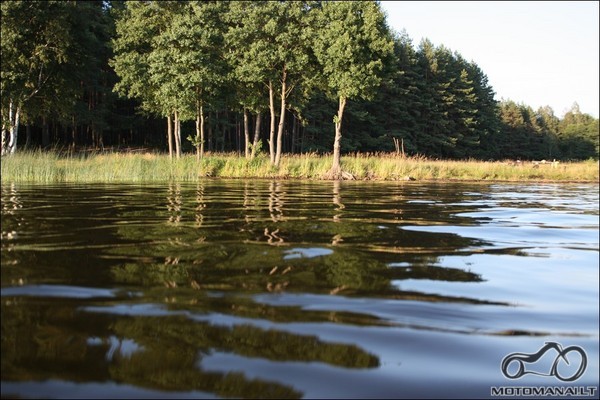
[276, 200]
[12, 226]
[12, 220]
[200, 204]
[337, 201]
[172, 351]
[233, 255]
[174, 202]
[11, 199]
[53, 342]
[43, 340]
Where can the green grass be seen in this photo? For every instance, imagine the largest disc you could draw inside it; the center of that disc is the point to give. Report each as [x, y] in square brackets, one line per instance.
[51, 167]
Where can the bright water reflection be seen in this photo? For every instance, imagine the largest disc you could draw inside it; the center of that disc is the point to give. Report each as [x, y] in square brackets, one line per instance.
[292, 289]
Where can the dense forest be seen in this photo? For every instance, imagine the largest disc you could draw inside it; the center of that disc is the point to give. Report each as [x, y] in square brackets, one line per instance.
[274, 77]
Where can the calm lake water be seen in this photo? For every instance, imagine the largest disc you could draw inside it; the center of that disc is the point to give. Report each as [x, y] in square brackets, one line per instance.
[291, 289]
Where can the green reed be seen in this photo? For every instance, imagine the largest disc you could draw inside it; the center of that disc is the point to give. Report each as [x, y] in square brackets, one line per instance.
[55, 166]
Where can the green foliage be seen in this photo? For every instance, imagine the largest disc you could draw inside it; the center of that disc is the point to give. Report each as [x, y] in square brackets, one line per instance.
[54, 66]
[351, 45]
[526, 134]
[578, 135]
[257, 149]
[63, 69]
[137, 24]
[194, 140]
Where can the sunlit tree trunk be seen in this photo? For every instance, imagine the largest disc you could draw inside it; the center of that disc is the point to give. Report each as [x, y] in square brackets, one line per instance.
[336, 167]
[281, 118]
[177, 130]
[200, 132]
[10, 128]
[246, 135]
[272, 130]
[4, 144]
[170, 136]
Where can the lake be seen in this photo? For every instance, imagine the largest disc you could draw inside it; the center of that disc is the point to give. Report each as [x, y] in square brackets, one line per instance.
[294, 289]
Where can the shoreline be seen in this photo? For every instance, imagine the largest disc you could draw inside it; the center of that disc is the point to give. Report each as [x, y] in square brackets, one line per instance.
[53, 167]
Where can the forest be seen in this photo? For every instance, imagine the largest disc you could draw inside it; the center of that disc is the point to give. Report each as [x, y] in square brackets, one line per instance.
[275, 77]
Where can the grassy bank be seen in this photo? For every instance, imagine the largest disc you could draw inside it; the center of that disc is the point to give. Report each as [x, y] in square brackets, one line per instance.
[50, 167]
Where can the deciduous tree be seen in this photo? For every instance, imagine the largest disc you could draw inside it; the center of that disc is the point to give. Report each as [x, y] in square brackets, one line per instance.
[351, 42]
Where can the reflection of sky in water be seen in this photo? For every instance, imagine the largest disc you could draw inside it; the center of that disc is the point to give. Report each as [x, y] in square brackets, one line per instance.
[57, 291]
[518, 235]
[124, 347]
[517, 279]
[309, 252]
[534, 216]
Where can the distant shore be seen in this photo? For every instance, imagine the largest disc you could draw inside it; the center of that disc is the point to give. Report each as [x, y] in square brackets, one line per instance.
[52, 167]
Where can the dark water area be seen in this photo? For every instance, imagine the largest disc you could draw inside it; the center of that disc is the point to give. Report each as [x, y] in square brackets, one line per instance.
[289, 289]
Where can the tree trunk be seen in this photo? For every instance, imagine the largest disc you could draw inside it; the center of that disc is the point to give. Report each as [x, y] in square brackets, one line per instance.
[246, 135]
[12, 143]
[336, 170]
[10, 129]
[4, 133]
[210, 133]
[5, 139]
[101, 139]
[198, 123]
[238, 130]
[178, 137]
[336, 167]
[27, 135]
[281, 119]
[223, 127]
[294, 134]
[200, 132]
[272, 130]
[92, 133]
[64, 133]
[256, 134]
[177, 130]
[170, 136]
[302, 134]
[73, 131]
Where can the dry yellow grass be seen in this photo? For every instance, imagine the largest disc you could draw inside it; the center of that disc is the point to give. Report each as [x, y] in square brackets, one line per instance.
[51, 167]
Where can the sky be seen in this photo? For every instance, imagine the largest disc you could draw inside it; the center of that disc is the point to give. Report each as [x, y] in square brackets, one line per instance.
[537, 53]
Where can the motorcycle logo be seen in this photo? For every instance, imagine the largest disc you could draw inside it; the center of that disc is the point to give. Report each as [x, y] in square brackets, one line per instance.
[521, 358]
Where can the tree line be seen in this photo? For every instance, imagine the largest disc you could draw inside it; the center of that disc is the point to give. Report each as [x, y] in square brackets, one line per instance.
[274, 77]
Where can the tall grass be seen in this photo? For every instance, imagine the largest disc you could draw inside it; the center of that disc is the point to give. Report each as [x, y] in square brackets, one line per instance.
[50, 167]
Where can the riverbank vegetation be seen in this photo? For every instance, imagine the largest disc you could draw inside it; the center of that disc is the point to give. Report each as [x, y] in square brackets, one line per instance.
[228, 80]
[229, 76]
[130, 167]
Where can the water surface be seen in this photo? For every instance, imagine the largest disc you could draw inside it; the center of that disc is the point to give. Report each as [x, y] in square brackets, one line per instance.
[288, 289]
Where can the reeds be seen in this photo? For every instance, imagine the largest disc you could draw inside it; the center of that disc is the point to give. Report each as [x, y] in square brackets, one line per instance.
[53, 166]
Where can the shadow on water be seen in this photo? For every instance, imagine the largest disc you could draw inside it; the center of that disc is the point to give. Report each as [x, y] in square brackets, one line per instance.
[231, 288]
